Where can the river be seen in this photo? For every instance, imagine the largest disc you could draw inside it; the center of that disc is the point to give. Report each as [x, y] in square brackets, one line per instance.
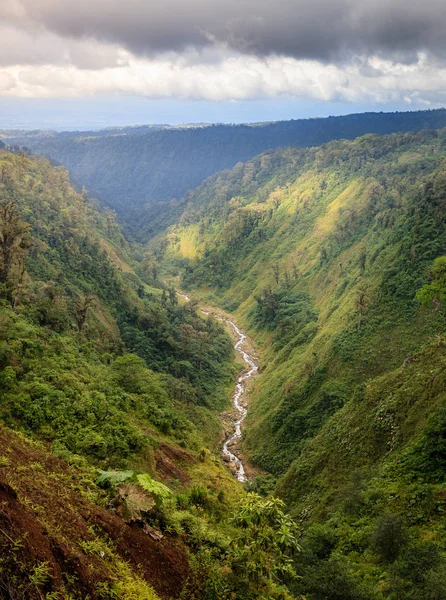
[239, 400]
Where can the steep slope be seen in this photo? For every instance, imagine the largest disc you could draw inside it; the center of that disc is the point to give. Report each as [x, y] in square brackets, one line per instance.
[76, 275]
[333, 258]
[58, 540]
[70, 304]
[110, 393]
[142, 174]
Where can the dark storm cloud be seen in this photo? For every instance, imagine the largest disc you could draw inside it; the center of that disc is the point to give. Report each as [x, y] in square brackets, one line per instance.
[321, 29]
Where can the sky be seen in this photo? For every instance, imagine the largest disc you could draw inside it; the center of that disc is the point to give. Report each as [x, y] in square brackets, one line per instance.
[69, 64]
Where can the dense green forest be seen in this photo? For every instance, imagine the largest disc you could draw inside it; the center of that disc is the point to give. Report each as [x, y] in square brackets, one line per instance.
[333, 258]
[143, 172]
[110, 394]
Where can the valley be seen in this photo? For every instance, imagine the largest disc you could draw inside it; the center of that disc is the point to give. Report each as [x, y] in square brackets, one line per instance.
[222, 300]
[145, 173]
[231, 450]
[321, 475]
[332, 270]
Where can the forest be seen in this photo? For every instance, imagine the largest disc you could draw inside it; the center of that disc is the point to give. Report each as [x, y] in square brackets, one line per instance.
[111, 388]
[143, 172]
[333, 259]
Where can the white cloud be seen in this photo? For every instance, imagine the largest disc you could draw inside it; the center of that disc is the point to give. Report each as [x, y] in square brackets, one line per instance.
[233, 77]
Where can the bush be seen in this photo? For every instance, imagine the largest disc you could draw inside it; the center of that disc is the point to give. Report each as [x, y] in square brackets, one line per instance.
[262, 484]
[330, 580]
[199, 496]
[319, 542]
[389, 537]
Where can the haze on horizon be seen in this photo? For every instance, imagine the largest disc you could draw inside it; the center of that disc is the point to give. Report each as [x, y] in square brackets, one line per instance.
[68, 64]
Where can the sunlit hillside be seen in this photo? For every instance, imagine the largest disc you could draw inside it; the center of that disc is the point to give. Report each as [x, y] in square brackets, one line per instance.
[333, 258]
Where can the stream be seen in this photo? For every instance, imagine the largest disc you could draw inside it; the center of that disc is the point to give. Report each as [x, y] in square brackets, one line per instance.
[238, 398]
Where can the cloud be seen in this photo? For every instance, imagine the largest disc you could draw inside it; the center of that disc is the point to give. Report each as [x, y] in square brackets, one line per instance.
[25, 47]
[325, 30]
[347, 50]
[237, 77]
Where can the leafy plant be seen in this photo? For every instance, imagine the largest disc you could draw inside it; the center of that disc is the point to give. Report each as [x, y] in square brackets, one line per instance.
[389, 536]
[113, 478]
[158, 490]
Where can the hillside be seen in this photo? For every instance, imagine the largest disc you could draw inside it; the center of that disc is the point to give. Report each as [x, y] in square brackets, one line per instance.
[142, 173]
[58, 539]
[110, 394]
[334, 259]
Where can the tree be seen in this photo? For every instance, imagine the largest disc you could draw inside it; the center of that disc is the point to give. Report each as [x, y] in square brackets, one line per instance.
[173, 296]
[150, 265]
[324, 256]
[435, 292]
[82, 305]
[362, 302]
[15, 242]
[266, 542]
[362, 260]
[389, 537]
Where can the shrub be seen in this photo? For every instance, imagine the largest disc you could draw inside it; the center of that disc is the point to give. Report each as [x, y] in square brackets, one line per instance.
[389, 537]
[199, 496]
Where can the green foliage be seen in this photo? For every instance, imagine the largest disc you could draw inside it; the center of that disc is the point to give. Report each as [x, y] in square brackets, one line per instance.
[158, 490]
[113, 478]
[40, 574]
[331, 579]
[333, 259]
[199, 496]
[389, 536]
[427, 458]
[434, 294]
[266, 541]
[263, 485]
[256, 562]
[89, 359]
[320, 541]
[98, 358]
[14, 245]
[289, 313]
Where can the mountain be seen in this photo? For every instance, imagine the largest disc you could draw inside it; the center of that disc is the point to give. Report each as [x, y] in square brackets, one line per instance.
[110, 393]
[143, 172]
[334, 259]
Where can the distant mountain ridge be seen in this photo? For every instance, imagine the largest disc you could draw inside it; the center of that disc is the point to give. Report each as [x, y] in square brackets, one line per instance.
[141, 172]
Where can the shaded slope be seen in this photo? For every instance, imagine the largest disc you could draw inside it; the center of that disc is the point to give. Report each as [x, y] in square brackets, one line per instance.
[71, 313]
[142, 175]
